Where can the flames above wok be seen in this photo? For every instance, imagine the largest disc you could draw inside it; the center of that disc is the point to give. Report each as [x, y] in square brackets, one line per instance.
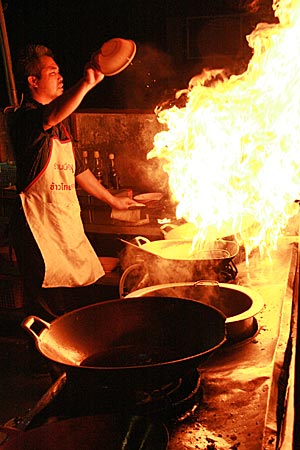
[232, 151]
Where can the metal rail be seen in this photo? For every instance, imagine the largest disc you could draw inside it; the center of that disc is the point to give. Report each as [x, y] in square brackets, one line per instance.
[11, 88]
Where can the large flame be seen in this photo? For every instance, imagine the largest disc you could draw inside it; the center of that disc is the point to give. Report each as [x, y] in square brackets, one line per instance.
[232, 153]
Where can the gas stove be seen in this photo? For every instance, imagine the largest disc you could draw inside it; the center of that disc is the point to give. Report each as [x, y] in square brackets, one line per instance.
[67, 399]
[231, 401]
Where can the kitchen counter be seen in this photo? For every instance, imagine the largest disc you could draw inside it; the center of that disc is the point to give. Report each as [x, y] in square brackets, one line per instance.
[96, 216]
[125, 229]
[244, 385]
[247, 386]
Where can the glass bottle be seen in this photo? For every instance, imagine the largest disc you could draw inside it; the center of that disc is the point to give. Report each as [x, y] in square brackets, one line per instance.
[97, 169]
[85, 159]
[113, 177]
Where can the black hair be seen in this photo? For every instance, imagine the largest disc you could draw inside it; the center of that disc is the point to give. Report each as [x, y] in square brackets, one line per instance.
[28, 63]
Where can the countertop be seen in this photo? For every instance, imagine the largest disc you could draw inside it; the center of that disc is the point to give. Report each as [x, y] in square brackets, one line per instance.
[247, 387]
[244, 386]
[96, 215]
[243, 383]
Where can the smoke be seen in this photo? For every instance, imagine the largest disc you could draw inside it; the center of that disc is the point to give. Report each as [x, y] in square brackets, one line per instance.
[142, 268]
[148, 79]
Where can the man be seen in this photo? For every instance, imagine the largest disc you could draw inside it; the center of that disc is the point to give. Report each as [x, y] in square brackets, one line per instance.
[52, 251]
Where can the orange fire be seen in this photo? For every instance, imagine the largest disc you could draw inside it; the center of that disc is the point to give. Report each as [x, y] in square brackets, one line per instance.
[232, 153]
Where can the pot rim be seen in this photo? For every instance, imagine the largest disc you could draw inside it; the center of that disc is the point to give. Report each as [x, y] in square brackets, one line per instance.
[255, 308]
[76, 357]
[152, 247]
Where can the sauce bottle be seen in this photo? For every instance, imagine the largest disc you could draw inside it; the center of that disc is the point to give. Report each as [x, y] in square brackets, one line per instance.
[85, 159]
[97, 169]
[113, 177]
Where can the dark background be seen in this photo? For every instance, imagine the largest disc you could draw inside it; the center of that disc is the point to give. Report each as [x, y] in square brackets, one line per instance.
[175, 40]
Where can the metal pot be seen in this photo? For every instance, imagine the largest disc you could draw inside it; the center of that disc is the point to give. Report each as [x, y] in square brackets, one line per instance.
[182, 250]
[171, 260]
[136, 343]
[239, 304]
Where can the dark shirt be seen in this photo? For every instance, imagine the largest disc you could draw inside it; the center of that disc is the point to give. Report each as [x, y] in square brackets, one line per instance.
[31, 143]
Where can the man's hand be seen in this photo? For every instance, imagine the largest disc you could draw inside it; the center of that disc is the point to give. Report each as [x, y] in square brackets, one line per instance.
[89, 183]
[92, 74]
[124, 203]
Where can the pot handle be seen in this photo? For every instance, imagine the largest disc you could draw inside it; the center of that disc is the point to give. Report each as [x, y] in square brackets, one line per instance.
[203, 282]
[28, 323]
[165, 228]
[140, 240]
[124, 276]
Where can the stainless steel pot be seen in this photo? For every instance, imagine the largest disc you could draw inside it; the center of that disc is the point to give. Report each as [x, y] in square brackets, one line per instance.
[173, 260]
[239, 304]
[182, 249]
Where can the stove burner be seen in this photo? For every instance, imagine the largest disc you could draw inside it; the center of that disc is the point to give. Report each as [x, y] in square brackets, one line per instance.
[147, 397]
[173, 400]
[67, 400]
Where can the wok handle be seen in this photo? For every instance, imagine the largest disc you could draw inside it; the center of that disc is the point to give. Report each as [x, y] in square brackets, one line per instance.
[28, 323]
[140, 240]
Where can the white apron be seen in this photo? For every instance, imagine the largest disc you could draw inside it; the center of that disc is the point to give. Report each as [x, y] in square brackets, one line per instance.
[52, 211]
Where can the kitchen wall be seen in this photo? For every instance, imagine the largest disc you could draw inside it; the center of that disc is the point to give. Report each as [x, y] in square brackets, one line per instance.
[127, 134]
[6, 153]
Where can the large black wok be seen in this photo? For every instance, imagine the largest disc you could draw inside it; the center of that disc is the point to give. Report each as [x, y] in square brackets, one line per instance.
[138, 342]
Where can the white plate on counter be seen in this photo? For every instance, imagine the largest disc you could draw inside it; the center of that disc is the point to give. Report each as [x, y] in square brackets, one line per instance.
[148, 197]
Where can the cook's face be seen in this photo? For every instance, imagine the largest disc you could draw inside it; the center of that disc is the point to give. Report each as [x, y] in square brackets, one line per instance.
[50, 81]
